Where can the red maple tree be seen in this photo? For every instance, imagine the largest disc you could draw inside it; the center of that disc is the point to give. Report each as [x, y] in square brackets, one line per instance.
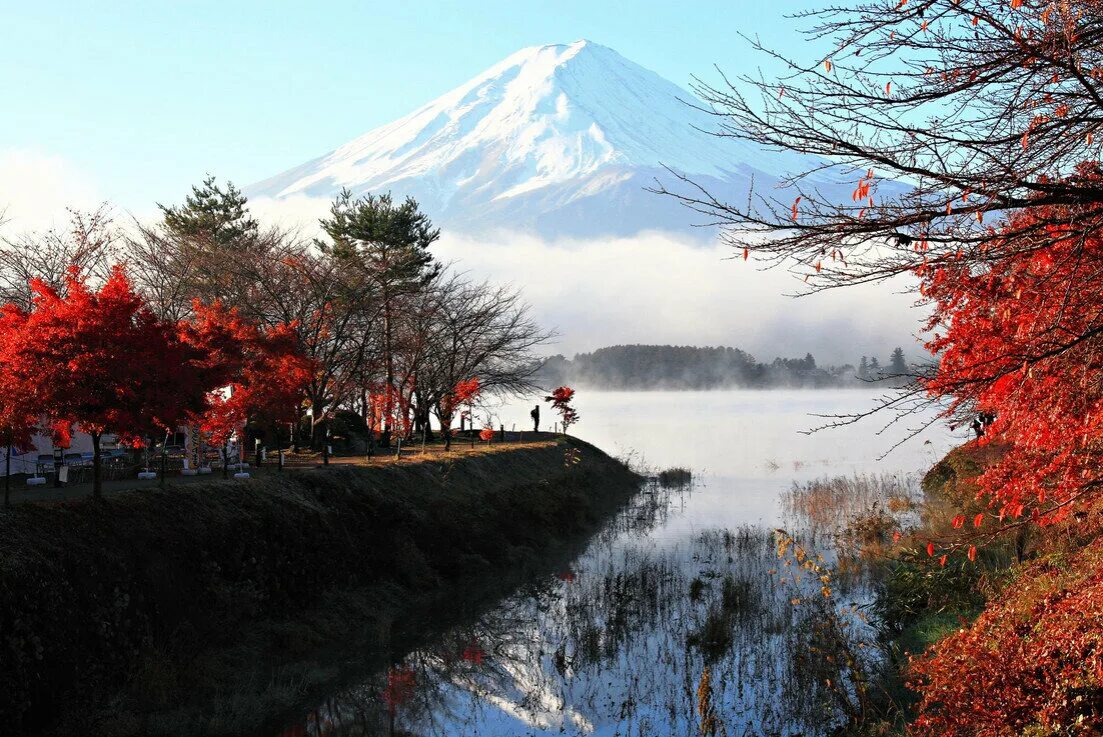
[18, 421]
[251, 373]
[1020, 343]
[561, 402]
[100, 360]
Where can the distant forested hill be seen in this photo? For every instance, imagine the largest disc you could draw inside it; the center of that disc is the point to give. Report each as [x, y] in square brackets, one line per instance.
[692, 367]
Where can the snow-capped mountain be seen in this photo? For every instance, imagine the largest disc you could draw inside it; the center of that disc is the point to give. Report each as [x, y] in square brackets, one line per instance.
[556, 140]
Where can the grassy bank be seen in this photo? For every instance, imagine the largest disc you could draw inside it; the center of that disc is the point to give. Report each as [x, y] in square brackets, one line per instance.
[203, 592]
[1007, 643]
[1020, 646]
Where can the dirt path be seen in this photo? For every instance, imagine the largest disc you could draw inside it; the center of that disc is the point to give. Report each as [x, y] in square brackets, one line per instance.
[413, 453]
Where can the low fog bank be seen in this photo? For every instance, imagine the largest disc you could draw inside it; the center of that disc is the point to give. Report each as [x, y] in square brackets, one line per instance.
[666, 367]
[659, 289]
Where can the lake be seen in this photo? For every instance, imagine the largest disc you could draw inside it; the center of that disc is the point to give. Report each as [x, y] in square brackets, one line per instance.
[680, 617]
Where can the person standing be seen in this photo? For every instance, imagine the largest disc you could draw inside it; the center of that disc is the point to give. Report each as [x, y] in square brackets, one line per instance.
[535, 415]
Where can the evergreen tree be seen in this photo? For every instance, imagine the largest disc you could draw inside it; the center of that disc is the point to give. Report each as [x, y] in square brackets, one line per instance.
[897, 365]
[388, 244]
[212, 214]
[863, 368]
[204, 241]
[874, 368]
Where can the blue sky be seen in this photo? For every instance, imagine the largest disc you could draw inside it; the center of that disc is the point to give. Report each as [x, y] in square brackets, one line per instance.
[142, 98]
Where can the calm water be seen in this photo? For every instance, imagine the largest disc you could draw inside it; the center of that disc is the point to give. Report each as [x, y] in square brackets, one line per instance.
[675, 620]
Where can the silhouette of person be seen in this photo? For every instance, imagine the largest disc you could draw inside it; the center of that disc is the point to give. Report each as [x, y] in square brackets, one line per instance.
[535, 415]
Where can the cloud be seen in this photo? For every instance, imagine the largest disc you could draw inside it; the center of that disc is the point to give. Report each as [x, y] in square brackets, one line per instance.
[658, 288]
[661, 288]
[297, 211]
[37, 187]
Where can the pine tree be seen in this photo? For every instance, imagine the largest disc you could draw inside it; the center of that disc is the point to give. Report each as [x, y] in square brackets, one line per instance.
[874, 368]
[897, 365]
[863, 368]
[207, 238]
[219, 216]
[388, 244]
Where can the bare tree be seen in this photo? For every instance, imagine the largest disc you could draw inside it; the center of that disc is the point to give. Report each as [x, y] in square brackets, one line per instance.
[87, 246]
[479, 331]
[973, 109]
[334, 314]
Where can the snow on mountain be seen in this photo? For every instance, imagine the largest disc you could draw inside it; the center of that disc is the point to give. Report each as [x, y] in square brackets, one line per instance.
[556, 140]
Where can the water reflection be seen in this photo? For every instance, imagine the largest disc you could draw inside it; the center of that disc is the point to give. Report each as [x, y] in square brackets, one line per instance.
[679, 618]
[618, 644]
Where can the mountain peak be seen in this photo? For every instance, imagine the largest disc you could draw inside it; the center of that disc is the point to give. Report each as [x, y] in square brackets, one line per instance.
[547, 128]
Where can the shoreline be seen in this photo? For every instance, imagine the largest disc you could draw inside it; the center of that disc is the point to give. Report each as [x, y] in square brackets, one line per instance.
[150, 599]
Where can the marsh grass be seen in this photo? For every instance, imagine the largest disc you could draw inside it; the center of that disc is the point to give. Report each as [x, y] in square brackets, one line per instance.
[627, 637]
[692, 636]
[675, 477]
[829, 504]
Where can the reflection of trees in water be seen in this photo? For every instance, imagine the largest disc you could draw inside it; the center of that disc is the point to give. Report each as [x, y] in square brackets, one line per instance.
[620, 644]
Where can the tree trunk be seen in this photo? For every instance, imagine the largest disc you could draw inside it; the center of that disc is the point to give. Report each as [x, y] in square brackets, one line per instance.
[7, 476]
[388, 358]
[97, 475]
[164, 461]
[427, 425]
[279, 449]
[226, 458]
[325, 445]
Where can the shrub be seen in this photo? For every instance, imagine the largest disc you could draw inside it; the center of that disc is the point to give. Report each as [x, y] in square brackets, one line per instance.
[1031, 663]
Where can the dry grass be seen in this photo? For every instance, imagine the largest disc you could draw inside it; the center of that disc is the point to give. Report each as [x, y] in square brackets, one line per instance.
[867, 504]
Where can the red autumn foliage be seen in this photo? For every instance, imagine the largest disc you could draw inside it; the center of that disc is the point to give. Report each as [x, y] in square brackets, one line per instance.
[561, 403]
[1022, 340]
[463, 393]
[257, 374]
[101, 361]
[401, 683]
[486, 434]
[18, 420]
[1033, 659]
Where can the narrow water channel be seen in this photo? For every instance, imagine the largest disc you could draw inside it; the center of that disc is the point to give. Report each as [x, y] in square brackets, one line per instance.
[679, 618]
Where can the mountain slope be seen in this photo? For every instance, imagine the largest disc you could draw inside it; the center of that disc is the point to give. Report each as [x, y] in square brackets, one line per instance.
[559, 139]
